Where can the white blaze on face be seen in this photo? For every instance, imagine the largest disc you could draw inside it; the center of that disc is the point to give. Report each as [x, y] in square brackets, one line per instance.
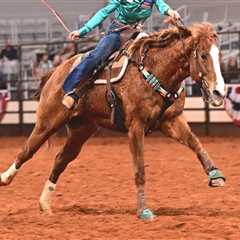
[220, 86]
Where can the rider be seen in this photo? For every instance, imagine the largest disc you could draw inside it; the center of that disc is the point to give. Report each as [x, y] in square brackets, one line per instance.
[127, 12]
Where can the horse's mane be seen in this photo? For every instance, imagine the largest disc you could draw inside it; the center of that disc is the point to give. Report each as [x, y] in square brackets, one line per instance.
[204, 30]
[166, 37]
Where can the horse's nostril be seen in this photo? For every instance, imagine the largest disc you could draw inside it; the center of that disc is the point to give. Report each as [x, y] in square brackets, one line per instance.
[216, 98]
[217, 93]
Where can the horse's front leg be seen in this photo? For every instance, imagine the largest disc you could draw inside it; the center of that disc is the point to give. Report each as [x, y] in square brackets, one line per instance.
[178, 129]
[136, 141]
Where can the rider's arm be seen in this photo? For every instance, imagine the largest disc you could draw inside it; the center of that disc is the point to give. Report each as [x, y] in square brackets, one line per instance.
[162, 6]
[99, 17]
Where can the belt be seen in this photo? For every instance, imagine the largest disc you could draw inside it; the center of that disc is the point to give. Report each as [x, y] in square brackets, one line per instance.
[123, 26]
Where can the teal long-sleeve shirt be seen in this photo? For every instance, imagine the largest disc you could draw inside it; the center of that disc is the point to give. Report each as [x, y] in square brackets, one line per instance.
[126, 11]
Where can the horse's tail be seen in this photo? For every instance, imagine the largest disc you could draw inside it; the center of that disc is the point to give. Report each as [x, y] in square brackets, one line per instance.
[37, 95]
[43, 82]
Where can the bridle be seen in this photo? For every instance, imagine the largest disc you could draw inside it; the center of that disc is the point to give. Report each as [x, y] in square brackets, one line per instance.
[201, 71]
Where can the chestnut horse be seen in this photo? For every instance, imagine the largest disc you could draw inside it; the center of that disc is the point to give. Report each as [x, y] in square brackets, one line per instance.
[171, 55]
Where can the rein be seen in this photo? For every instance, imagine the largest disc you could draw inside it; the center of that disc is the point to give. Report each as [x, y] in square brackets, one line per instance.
[182, 25]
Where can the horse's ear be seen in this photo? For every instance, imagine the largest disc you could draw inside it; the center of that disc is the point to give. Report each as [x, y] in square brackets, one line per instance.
[189, 31]
[213, 38]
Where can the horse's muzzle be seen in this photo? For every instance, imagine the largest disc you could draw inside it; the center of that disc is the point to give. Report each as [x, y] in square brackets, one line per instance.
[216, 99]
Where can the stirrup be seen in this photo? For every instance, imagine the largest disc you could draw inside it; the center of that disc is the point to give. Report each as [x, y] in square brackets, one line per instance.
[70, 100]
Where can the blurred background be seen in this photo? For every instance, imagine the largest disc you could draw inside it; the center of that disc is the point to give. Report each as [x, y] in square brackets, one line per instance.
[32, 42]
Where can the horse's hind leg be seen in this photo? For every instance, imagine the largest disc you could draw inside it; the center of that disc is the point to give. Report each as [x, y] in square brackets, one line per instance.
[136, 142]
[178, 129]
[37, 138]
[77, 136]
[44, 128]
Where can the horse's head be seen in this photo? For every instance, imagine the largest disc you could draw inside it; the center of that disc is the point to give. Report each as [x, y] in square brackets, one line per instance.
[205, 65]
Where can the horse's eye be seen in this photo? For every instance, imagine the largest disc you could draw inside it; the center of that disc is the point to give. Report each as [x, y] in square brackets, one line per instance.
[204, 56]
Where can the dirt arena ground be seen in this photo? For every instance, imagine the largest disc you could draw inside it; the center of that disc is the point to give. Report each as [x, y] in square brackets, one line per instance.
[95, 198]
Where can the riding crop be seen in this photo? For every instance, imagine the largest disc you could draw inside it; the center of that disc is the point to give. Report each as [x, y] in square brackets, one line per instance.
[57, 15]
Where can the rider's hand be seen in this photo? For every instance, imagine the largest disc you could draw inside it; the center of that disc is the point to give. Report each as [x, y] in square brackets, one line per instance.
[174, 14]
[74, 35]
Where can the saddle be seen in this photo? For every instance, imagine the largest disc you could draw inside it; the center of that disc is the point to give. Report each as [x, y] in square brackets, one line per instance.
[116, 61]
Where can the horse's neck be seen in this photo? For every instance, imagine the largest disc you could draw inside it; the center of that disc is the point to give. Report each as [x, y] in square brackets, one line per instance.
[171, 65]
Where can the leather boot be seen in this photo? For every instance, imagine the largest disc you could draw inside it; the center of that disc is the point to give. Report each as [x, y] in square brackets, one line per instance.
[70, 100]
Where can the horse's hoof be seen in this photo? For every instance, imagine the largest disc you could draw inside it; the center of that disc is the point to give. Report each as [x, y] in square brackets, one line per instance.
[45, 207]
[216, 178]
[3, 183]
[217, 183]
[146, 214]
[45, 199]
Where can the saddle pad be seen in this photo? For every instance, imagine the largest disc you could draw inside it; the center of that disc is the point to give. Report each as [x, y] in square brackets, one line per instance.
[121, 65]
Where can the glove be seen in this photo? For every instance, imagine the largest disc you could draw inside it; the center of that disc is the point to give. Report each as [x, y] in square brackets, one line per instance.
[74, 35]
[174, 14]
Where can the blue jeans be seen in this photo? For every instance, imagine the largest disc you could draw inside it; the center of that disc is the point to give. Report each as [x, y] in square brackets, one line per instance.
[104, 49]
